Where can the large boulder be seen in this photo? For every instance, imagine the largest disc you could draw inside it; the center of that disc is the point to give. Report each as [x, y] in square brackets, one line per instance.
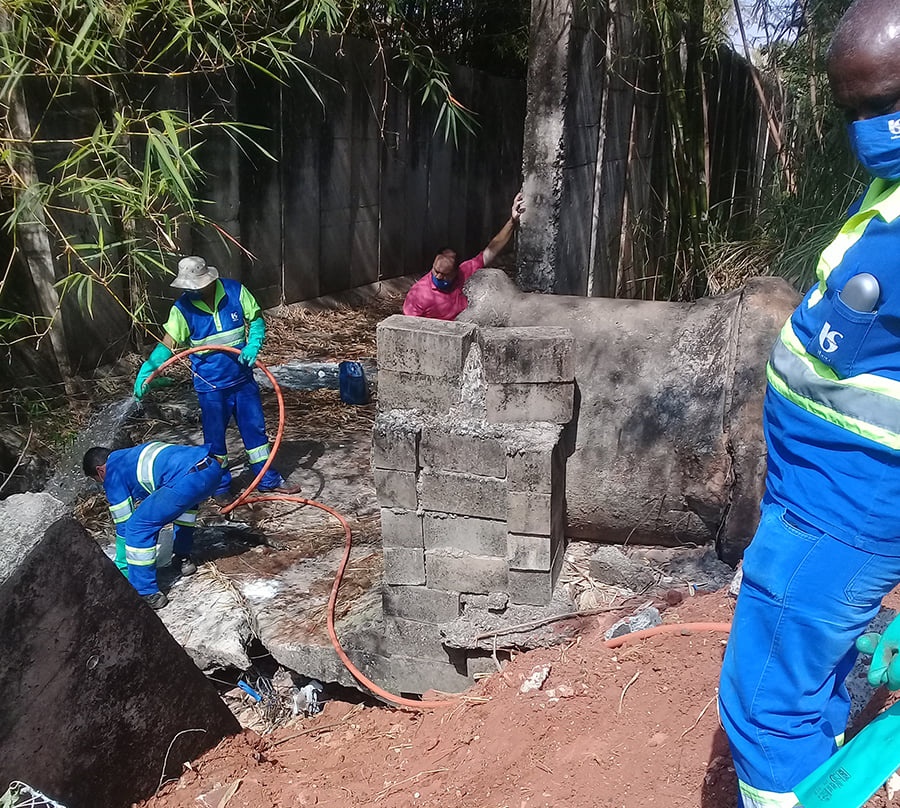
[100, 703]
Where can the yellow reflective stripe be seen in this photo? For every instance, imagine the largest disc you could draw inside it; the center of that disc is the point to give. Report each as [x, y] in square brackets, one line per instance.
[232, 337]
[121, 511]
[850, 423]
[145, 465]
[140, 556]
[187, 519]
[849, 234]
[882, 196]
[757, 798]
[839, 740]
[881, 199]
[223, 461]
[259, 454]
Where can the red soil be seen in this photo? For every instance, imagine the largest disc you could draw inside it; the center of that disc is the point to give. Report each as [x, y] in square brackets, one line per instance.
[630, 727]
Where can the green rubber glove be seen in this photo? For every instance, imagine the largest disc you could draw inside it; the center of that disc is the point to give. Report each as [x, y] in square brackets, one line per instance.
[256, 333]
[158, 382]
[884, 669]
[159, 355]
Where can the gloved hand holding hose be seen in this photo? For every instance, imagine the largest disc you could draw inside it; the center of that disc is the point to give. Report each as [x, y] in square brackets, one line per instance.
[256, 333]
[884, 669]
[159, 355]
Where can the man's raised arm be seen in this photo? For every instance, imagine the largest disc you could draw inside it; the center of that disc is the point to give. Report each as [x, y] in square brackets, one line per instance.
[499, 242]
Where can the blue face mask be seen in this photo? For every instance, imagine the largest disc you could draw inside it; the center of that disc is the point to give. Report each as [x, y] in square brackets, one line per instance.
[876, 144]
[440, 284]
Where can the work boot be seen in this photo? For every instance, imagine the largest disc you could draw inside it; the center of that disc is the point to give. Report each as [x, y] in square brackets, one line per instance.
[284, 488]
[185, 564]
[156, 600]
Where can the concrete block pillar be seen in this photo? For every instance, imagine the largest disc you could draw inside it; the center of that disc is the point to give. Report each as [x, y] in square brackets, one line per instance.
[472, 491]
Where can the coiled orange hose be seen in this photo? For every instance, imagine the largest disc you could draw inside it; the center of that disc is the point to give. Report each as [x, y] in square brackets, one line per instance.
[242, 499]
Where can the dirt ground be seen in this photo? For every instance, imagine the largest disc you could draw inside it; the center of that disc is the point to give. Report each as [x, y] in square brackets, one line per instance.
[627, 727]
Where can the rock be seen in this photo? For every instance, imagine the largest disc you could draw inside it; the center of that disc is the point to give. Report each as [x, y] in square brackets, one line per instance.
[609, 565]
[24, 517]
[536, 679]
[673, 597]
[647, 617]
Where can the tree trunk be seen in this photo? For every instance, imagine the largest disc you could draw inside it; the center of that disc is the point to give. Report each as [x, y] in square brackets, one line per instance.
[32, 237]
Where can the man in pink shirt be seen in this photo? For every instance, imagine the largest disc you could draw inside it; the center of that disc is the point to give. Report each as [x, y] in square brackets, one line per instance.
[439, 294]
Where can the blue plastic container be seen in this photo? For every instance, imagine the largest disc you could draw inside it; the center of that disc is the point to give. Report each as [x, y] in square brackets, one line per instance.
[352, 383]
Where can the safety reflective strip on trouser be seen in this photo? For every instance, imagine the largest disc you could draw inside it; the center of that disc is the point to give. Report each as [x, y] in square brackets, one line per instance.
[121, 560]
[187, 519]
[145, 465]
[121, 511]
[866, 404]
[233, 338]
[757, 798]
[258, 455]
[140, 556]
[223, 461]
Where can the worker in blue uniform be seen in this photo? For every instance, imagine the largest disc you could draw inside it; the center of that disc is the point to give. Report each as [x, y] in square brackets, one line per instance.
[219, 311]
[827, 548]
[147, 487]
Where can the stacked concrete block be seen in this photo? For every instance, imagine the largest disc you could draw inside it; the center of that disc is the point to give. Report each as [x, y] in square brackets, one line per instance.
[530, 374]
[420, 362]
[395, 449]
[472, 487]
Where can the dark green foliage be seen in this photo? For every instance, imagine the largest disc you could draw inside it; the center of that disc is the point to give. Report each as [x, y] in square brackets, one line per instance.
[800, 218]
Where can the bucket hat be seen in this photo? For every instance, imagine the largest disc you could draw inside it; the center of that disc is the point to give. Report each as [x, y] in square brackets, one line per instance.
[194, 273]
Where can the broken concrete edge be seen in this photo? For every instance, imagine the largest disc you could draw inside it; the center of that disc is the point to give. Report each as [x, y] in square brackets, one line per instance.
[408, 425]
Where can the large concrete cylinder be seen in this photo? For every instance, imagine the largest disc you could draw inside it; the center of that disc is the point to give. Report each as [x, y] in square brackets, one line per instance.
[667, 444]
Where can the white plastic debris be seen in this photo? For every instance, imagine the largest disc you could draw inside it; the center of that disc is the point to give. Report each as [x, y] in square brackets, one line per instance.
[892, 786]
[307, 699]
[735, 586]
[536, 679]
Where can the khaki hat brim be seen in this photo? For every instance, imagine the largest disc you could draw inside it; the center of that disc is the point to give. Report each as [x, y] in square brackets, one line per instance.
[196, 282]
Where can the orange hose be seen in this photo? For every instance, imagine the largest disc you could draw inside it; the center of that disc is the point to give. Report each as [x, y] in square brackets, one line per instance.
[668, 628]
[348, 536]
[332, 600]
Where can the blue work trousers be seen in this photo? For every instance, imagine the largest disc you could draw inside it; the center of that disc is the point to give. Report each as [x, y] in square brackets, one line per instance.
[165, 505]
[804, 599]
[243, 403]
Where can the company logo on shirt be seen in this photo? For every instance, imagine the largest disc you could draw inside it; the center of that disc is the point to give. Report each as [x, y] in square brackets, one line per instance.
[894, 126]
[235, 317]
[828, 339]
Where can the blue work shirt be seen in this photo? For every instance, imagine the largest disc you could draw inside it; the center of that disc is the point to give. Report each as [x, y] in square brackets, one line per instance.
[828, 472]
[133, 474]
[192, 322]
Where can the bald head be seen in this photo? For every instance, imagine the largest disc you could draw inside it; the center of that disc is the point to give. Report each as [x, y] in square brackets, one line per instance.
[864, 59]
